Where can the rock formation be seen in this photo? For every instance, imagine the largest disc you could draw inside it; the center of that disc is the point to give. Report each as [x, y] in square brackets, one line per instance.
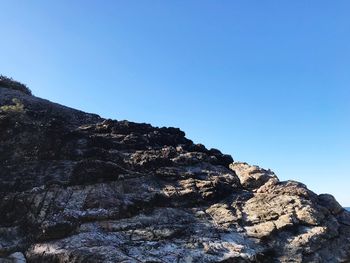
[79, 188]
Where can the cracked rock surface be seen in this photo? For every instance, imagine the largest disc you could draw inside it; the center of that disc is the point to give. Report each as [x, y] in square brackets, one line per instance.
[79, 188]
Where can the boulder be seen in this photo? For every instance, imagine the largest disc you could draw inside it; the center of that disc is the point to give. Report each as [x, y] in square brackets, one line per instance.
[75, 187]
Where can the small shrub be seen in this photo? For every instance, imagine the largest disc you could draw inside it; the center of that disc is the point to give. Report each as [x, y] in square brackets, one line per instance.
[12, 84]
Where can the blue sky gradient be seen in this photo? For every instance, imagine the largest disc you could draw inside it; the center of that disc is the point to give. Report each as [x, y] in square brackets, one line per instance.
[266, 81]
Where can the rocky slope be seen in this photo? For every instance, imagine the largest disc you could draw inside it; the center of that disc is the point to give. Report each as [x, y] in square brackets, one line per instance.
[79, 188]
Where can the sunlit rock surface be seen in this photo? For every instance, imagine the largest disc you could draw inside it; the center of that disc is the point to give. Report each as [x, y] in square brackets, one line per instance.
[79, 188]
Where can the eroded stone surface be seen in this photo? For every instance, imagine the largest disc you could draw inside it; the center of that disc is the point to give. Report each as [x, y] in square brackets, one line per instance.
[79, 188]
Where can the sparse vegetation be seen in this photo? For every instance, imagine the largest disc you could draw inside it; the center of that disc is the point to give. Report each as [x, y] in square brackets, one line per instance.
[12, 84]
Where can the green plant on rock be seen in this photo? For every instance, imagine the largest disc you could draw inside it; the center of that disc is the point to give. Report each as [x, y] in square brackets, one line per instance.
[15, 85]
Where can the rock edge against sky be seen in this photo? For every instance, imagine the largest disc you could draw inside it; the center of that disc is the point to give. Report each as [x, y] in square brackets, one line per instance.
[79, 188]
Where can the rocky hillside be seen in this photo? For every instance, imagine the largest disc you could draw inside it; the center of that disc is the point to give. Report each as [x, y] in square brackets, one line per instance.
[79, 188]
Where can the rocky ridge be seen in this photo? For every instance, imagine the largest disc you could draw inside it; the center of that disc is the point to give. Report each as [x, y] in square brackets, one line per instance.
[79, 188]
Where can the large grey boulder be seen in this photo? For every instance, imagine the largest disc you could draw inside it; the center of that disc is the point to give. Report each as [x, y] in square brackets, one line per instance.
[75, 187]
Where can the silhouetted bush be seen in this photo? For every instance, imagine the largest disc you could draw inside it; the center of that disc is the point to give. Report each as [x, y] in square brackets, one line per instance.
[12, 84]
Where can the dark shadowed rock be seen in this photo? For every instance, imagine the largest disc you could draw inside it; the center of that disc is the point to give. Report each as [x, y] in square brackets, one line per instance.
[79, 188]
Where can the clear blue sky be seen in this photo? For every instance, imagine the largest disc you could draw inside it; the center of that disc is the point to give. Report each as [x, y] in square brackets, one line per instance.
[266, 81]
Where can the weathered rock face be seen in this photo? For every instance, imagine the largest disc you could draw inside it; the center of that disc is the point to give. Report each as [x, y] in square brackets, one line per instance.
[79, 188]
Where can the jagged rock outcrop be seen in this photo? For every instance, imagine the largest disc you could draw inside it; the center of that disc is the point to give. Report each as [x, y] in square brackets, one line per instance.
[79, 188]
